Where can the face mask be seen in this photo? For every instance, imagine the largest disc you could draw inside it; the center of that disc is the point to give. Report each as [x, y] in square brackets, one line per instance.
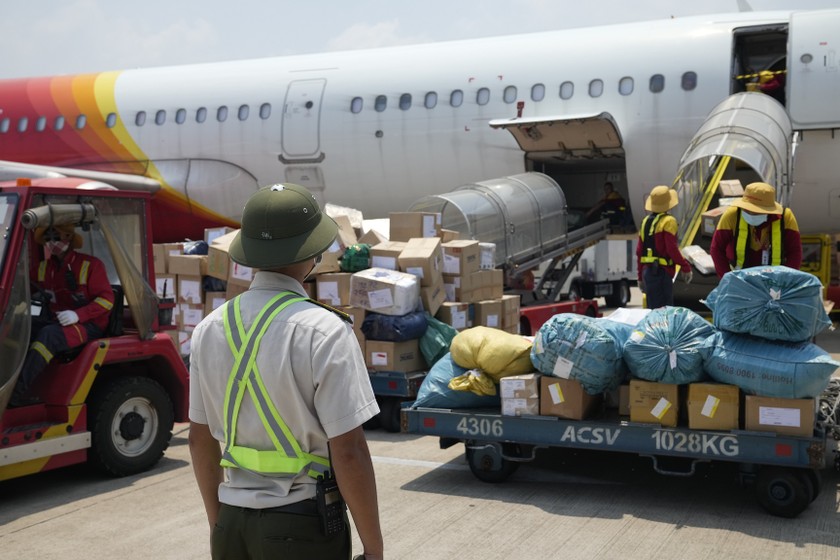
[55, 248]
[754, 220]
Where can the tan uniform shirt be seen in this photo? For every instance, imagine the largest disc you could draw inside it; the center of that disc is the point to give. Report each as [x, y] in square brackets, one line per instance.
[313, 368]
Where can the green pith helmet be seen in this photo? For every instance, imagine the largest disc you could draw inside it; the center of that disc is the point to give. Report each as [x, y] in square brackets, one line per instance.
[281, 225]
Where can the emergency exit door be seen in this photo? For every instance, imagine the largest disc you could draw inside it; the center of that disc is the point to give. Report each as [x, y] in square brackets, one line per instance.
[300, 137]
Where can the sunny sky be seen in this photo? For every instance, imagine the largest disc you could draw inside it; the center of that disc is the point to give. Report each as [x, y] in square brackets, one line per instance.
[48, 37]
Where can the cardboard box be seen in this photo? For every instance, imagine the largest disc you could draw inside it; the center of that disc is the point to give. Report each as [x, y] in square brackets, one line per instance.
[190, 290]
[654, 403]
[386, 254]
[566, 398]
[212, 234]
[423, 257]
[731, 187]
[212, 301]
[461, 288]
[159, 252]
[711, 219]
[389, 292]
[189, 315]
[346, 233]
[447, 235]
[188, 265]
[521, 407]
[490, 282]
[488, 313]
[432, 297]
[218, 260]
[791, 417]
[460, 257]
[240, 274]
[170, 249]
[713, 406]
[406, 225]
[333, 288]
[373, 237]
[510, 312]
[394, 356]
[166, 286]
[525, 386]
[457, 315]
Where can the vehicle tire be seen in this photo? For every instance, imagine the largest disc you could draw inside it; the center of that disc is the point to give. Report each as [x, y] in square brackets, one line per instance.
[130, 420]
[590, 311]
[525, 327]
[782, 491]
[389, 415]
[575, 290]
[812, 480]
[486, 461]
[620, 296]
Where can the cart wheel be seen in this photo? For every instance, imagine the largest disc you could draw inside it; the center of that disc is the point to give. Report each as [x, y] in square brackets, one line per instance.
[812, 480]
[486, 461]
[389, 416]
[781, 491]
[620, 296]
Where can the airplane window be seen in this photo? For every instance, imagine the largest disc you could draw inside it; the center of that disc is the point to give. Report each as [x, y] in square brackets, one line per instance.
[430, 102]
[23, 124]
[180, 116]
[657, 83]
[380, 103]
[265, 110]
[81, 121]
[244, 111]
[111, 120]
[160, 117]
[456, 98]
[689, 81]
[625, 85]
[596, 88]
[405, 101]
[4, 126]
[221, 113]
[140, 118]
[482, 96]
[201, 115]
[41, 124]
[59, 123]
[567, 90]
[356, 105]
[537, 92]
[509, 94]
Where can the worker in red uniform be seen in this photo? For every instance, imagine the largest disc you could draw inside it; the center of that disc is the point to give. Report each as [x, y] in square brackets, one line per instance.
[657, 252]
[80, 300]
[754, 231]
[612, 206]
[773, 84]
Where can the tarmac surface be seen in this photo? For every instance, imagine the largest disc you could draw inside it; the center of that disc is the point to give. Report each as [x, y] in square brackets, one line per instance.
[566, 504]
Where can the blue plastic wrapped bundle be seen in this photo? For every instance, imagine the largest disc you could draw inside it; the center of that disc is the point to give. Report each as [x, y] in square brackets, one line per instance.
[582, 348]
[395, 328]
[788, 370]
[666, 346]
[773, 302]
[434, 392]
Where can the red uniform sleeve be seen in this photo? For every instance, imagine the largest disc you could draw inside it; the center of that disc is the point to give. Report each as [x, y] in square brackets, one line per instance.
[99, 293]
[722, 240]
[672, 248]
[792, 241]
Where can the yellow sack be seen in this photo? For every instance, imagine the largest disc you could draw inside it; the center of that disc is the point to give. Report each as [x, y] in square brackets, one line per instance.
[475, 382]
[496, 353]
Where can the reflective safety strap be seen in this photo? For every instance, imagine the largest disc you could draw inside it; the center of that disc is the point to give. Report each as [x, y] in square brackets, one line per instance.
[741, 241]
[84, 272]
[776, 241]
[104, 303]
[649, 241]
[42, 271]
[287, 456]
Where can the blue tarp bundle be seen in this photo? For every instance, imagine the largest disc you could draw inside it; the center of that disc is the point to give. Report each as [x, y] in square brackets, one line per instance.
[394, 328]
[772, 302]
[788, 370]
[666, 346]
[582, 348]
[434, 392]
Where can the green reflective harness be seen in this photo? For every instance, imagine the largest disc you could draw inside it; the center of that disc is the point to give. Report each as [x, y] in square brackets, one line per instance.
[286, 457]
[743, 235]
[648, 232]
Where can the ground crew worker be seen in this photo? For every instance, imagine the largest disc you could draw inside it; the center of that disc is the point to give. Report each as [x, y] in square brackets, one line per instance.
[657, 252]
[773, 84]
[80, 301]
[612, 204]
[756, 230]
[281, 383]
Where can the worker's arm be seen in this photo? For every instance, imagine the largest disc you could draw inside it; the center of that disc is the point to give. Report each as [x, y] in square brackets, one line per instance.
[353, 468]
[99, 291]
[206, 455]
[792, 241]
[722, 250]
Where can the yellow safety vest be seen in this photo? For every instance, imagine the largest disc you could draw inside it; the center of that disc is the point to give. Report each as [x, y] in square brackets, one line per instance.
[648, 235]
[744, 235]
[287, 458]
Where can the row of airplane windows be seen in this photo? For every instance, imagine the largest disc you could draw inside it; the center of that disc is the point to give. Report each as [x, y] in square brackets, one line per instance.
[626, 86]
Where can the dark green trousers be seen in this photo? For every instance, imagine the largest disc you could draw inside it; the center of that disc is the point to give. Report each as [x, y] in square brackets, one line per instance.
[276, 534]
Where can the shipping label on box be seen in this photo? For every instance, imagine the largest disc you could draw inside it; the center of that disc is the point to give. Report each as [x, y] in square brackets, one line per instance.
[566, 398]
[214, 233]
[394, 356]
[460, 257]
[333, 288]
[386, 254]
[406, 225]
[792, 417]
[487, 256]
[525, 386]
[190, 290]
[166, 286]
[656, 403]
[713, 406]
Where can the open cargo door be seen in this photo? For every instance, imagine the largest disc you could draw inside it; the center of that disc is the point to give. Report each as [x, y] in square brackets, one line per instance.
[582, 136]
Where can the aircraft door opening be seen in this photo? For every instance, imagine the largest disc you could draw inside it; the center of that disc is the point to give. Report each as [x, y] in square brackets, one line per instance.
[300, 135]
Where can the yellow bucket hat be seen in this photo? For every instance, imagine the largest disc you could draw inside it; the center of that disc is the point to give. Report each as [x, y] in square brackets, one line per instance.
[759, 198]
[661, 199]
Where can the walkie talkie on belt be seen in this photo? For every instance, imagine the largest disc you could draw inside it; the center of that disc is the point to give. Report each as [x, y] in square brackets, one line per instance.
[330, 504]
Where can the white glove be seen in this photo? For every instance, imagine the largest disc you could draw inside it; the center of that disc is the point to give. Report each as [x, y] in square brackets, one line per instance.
[67, 318]
[688, 276]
